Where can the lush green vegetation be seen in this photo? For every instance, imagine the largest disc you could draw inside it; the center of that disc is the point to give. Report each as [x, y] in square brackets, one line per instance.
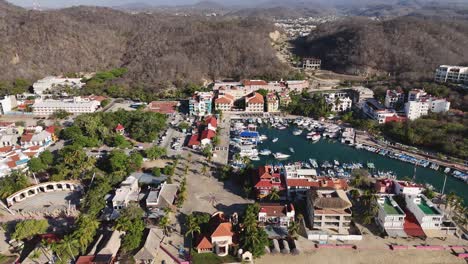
[12, 183]
[155, 152]
[91, 130]
[17, 86]
[442, 133]
[130, 221]
[312, 106]
[26, 229]
[253, 238]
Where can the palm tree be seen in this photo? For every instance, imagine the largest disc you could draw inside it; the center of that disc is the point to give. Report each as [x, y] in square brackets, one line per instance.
[164, 222]
[192, 227]
[247, 190]
[293, 229]
[274, 195]
[86, 231]
[237, 157]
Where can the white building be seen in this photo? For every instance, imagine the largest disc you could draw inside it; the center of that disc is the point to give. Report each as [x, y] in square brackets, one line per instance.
[292, 172]
[338, 103]
[49, 83]
[360, 94]
[416, 109]
[76, 106]
[393, 98]
[224, 102]
[456, 74]
[390, 216]
[126, 193]
[7, 103]
[405, 187]
[276, 214]
[420, 103]
[427, 214]
[374, 110]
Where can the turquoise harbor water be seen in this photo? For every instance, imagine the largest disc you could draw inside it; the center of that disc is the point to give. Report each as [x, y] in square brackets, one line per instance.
[331, 150]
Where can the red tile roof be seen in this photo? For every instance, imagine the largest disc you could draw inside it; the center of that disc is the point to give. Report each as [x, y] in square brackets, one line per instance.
[30, 154]
[224, 100]
[255, 98]
[51, 129]
[193, 141]
[11, 164]
[395, 118]
[6, 149]
[7, 124]
[223, 229]
[98, 98]
[14, 158]
[209, 134]
[212, 121]
[276, 209]
[119, 127]
[26, 137]
[34, 148]
[204, 243]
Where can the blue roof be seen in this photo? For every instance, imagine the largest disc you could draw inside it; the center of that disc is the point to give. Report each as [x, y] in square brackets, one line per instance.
[249, 134]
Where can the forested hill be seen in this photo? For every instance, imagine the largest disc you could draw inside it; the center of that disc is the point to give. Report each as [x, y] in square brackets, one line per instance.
[156, 49]
[405, 46]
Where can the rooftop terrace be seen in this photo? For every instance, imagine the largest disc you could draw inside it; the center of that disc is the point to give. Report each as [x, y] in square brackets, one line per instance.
[428, 210]
[390, 209]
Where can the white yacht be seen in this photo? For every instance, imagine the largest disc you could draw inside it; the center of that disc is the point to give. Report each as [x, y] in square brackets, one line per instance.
[274, 140]
[280, 155]
[265, 152]
[297, 132]
[291, 149]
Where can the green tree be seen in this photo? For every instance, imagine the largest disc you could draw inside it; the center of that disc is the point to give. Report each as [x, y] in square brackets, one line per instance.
[130, 221]
[155, 152]
[293, 229]
[60, 114]
[274, 195]
[36, 165]
[156, 172]
[105, 103]
[192, 226]
[26, 229]
[164, 223]
[12, 183]
[85, 231]
[47, 157]
[118, 161]
[252, 237]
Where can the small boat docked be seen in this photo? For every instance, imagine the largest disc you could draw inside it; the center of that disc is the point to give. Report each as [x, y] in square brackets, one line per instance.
[313, 162]
[263, 137]
[280, 155]
[297, 132]
[254, 158]
[265, 152]
[314, 136]
[291, 149]
[274, 140]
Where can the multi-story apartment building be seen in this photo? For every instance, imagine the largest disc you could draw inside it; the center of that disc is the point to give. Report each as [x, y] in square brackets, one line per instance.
[277, 214]
[76, 106]
[329, 209]
[201, 104]
[338, 103]
[126, 193]
[224, 102]
[373, 109]
[394, 98]
[455, 74]
[272, 103]
[254, 103]
[311, 63]
[427, 214]
[407, 188]
[420, 103]
[297, 188]
[390, 216]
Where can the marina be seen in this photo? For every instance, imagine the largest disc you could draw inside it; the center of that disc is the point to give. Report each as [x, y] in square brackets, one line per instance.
[336, 159]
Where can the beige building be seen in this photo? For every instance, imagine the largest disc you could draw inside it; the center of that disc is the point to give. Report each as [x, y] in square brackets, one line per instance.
[224, 102]
[272, 103]
[329, 209]
[254, 103]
